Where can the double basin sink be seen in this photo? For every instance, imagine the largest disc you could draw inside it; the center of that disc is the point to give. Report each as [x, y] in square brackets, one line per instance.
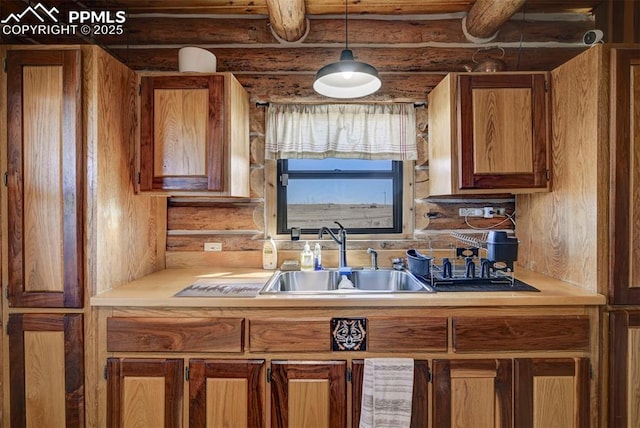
[328, 281]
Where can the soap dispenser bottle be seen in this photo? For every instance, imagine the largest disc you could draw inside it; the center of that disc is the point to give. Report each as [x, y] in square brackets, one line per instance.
[306, 258]
[317, 257]
[269, 254]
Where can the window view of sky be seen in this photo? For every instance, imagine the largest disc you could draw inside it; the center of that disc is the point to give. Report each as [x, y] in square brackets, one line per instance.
[339, 191]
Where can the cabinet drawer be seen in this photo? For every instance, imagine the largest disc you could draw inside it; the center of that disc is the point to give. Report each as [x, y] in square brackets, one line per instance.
[555, 333]
[290, 335]
[407, 334]
[175, 334]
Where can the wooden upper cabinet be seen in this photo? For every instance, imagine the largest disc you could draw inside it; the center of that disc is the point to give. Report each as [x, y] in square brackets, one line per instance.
[194, 135]
[44, 178]
[488, 133]
[625, 172]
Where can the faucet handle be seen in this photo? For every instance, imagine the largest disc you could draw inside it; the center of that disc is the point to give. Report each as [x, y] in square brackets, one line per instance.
[339, 225]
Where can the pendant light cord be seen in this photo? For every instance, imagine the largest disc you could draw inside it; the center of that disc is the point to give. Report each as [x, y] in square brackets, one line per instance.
[346, 25]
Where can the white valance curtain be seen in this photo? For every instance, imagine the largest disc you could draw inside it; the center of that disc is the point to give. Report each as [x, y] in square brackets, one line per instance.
[355, 131]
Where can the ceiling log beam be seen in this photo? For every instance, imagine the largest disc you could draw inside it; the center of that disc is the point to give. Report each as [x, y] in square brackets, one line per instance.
[287, 19]
[487, 16]
[399, 60]
[326, 32]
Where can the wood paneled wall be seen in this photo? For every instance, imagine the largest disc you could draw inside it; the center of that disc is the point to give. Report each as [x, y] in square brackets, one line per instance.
[560, 232]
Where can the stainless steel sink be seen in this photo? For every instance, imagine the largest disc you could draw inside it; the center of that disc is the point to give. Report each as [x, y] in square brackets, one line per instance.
[326, 281]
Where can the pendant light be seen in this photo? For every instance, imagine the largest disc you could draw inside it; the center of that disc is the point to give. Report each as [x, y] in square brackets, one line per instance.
[347, 78]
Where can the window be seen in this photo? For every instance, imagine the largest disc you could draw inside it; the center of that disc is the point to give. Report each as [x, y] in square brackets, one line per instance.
[365, 196]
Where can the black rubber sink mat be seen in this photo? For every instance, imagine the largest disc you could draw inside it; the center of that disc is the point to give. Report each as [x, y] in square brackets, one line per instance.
[517, 286]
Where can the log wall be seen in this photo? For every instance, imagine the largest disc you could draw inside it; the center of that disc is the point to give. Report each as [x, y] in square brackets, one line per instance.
[240, 226]
[412, 57]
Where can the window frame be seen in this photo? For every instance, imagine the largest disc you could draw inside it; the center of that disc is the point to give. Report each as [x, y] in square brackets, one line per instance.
[396, 173]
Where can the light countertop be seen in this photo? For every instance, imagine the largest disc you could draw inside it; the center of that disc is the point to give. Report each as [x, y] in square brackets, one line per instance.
[159, 289]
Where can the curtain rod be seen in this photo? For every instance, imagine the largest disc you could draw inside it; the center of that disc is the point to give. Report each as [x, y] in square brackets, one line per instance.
[266, 104]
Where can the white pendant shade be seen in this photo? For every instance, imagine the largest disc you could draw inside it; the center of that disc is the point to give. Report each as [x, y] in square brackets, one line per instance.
[347, 78]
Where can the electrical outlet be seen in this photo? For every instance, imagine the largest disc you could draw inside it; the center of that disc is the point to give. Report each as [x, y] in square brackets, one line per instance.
[471, 212]
[500, 211]
[213, 246]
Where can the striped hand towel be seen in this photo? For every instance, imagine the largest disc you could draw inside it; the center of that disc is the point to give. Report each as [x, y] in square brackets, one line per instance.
[387, 391]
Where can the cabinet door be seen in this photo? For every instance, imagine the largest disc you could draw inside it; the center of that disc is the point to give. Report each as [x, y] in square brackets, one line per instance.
[308, 394]
[625, 171]
[551, 392]
[46, 370]
[419, 406]
[44, 167]
[624, 370]
[472, 393]
[226, 393]
[502, 131]
[144, 392]
[182, 133]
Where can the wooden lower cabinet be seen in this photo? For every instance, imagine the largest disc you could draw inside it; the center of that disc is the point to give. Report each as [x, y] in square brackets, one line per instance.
[226, 393]
[46, 363]
[551, 392]
[309, 394]
[420, 403]
[547, 392]
[145, 392]
[472, 393]
[624, 368]
[521, 369]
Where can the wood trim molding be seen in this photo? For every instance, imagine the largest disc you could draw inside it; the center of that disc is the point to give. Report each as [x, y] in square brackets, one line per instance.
[201, 370]
[72, 326]
[357, 380]
[618, 370]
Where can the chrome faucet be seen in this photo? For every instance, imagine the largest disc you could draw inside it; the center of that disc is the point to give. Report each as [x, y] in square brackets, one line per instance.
[340, 239]
[374, 258]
